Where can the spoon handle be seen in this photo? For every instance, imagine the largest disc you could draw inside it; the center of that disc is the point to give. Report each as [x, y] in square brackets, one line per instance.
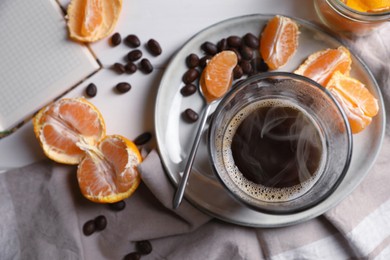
[183, 181]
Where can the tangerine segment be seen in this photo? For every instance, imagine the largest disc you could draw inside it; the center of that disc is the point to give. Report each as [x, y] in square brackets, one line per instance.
[279, 41]
[369, 5]
[358, 103]
[92, 20]
[217, 76]
[64, 127]
[109, 173]
[321, 65]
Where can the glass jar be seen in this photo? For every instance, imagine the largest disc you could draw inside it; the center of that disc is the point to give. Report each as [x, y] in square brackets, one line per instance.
[343, 19]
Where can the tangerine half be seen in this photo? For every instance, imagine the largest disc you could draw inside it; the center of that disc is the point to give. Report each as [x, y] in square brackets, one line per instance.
[279, 41]
[356, 100]
[321, 65]
[72, 131]
[92, 20]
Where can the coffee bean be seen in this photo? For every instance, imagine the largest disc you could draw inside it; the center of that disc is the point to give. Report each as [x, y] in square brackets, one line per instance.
[133, 41]
[251, 41]
[188, 90]
[100, 222]
[116, 39]
[145, 66]
[123, 87]
[209, 48]
[237, 72]
[246, 67]
[132, 256]
[259, 65]
[190, 76]
[89, 227]
[203, 61]
[134, 55]
[222, 45]
[190, 115]
[143, 138]
[144, 247]
[118, 68]
[130, 68]
[91, 90]
[117, 206]
[246, 53]
[154, 47]
[234, 41]
[192, 61]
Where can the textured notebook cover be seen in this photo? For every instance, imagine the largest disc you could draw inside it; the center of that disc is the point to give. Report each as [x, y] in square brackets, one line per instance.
[37, 60]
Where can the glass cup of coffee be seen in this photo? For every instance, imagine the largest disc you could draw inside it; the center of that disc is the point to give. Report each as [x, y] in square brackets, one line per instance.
[279, 142]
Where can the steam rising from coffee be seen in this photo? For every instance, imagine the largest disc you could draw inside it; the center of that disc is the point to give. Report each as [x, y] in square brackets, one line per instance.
[273, 150]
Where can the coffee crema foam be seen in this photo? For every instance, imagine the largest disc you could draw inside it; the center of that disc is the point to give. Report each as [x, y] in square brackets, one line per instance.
[258, 191]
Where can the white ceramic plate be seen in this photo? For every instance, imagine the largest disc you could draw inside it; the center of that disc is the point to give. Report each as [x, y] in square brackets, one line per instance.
[175, 136]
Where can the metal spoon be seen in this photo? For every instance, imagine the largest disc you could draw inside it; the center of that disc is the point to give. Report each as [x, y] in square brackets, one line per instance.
[183, 182]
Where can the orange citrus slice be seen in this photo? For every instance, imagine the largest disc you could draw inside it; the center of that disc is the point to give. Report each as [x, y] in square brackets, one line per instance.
[217, 76]
[92, 20]
[279, 41]
[368, 5]
[72, 131]
[109, 172]
[321, 65]
[357, 101]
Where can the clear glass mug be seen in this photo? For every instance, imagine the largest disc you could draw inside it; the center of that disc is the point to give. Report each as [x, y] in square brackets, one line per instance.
[340, 18]
[283, 90]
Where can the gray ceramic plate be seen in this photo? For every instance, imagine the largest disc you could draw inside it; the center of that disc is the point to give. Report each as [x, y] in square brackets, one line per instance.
[175, 136]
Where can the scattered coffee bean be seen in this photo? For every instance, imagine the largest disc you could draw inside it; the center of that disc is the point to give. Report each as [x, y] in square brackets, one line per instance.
[132, 256]
[246, 53]
[190, 76]
[118, 68]
[234, 41]
[203, 61]
[154, 47]
[209, 48]
[144, 247]
[134, 55]
[89, 227]
[251, 41]
[116, 39]
[117, 206]
[91, 90]
[246, 67]
[123, 87]
[237, 72]
[130, 68]
[143, 138]
[133, 41]
[145, 66]
[188, 90]
[222, 45]
[190, 115]
[192, 61]
[100, 222]
[259, 65]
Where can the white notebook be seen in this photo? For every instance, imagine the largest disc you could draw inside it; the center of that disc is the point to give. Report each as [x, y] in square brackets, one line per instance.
[38, 62]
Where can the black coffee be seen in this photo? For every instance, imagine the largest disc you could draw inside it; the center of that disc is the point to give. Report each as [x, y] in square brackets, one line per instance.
[277, 146]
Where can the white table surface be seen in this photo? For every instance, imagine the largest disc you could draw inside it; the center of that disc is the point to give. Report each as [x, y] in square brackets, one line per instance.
[171, 23]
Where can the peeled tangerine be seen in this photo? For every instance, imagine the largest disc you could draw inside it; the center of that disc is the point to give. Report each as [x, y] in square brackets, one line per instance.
[279, 41]
[72, 131]
[368, 5]
[92, 20]
[356, 100]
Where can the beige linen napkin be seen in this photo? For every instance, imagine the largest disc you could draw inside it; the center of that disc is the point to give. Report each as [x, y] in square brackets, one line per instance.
[42, 212]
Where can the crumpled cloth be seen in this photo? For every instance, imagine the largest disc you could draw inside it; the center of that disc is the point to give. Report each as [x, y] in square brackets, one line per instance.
[42, 211]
